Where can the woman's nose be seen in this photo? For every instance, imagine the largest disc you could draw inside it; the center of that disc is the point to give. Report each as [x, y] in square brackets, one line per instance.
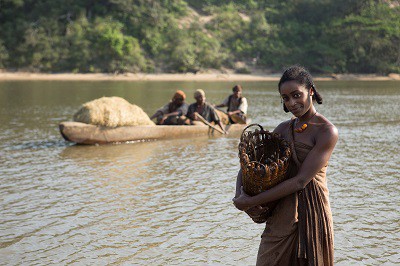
[292, 102]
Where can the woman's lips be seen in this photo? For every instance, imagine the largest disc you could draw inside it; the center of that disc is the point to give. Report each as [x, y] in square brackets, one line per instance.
[295, 110]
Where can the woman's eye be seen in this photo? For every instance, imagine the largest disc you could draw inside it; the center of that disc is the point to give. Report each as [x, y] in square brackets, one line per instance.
[297, 95]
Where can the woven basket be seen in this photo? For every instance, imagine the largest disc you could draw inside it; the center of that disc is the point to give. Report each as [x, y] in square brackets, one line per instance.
[264, 160]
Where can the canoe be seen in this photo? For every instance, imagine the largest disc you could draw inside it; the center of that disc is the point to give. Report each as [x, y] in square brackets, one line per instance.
[82, 133]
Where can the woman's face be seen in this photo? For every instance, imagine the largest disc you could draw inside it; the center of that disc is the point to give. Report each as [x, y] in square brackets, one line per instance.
[296, 97]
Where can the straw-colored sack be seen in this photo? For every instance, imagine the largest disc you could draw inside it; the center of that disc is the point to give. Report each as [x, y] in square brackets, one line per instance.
[264, 160]
[112, 112]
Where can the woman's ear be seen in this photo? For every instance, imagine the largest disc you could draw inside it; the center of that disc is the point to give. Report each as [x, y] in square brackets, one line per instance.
[312, 91]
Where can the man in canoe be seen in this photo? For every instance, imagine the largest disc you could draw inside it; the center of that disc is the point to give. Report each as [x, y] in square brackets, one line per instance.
[237, 106]
[202, 112]
[172, 112]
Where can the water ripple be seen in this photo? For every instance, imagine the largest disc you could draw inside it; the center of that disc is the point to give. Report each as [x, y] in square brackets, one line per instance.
[169, 202]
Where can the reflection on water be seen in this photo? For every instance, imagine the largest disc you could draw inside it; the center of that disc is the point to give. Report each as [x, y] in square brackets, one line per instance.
[169, 202]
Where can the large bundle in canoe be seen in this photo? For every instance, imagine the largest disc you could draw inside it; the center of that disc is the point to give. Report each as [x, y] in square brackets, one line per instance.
[112, 112]
[113, 120]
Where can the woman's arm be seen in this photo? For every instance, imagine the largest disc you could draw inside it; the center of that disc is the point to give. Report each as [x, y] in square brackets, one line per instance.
[253, 212]
[239, 183]
[316, 159]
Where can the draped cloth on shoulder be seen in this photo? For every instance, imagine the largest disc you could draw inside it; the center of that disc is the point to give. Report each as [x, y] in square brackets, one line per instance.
[300, 230]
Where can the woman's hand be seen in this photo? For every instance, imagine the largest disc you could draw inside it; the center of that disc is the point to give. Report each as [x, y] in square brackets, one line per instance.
[256, 211]
[242, 202]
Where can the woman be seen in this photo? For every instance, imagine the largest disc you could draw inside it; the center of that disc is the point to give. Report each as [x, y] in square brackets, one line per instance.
[300, 230]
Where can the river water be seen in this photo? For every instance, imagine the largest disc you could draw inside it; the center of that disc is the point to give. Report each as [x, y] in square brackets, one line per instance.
[169, 202]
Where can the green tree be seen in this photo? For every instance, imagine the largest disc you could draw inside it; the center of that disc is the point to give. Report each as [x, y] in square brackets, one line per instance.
[3, 55]
[229, 27]
[112, 51]
[167, 35]
[371, 39]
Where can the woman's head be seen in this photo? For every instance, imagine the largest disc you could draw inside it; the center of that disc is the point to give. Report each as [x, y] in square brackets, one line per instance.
[298, 75]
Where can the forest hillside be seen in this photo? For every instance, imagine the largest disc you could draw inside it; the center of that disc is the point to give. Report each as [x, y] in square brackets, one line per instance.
[175, 36]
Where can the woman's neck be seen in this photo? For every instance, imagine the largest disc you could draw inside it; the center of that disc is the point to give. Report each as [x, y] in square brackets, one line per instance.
[308, 115]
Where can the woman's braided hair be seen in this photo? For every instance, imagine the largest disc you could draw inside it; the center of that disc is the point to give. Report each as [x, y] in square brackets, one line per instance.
[302, 77]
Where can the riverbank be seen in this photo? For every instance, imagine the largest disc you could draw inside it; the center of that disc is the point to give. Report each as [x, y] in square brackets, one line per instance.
[4, 76]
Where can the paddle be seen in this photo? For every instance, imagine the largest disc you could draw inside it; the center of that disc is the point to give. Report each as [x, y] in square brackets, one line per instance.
[202, 119]
[235, 118]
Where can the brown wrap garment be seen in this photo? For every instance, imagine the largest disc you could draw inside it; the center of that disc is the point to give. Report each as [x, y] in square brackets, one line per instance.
[300, 230]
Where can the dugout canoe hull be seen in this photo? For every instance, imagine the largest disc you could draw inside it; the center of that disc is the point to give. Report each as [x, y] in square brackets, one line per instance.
[82, 133]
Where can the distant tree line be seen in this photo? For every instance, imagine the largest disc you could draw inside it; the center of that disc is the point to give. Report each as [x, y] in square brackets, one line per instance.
[115, 36]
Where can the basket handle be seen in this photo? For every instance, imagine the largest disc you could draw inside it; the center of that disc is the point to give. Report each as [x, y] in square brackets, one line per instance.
[252, 125]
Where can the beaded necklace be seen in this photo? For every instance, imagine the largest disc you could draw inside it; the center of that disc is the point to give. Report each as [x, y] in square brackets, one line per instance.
[305, 125]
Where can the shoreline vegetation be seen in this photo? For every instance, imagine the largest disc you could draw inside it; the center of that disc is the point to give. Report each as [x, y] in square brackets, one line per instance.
[215, 38]
[16, 76]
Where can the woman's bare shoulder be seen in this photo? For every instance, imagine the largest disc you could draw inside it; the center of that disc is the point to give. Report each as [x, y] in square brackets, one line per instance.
[327, 130]
[282, 128]
[326, 124]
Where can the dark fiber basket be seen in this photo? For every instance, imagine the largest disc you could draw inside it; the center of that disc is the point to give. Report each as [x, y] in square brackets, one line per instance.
[264, 160]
